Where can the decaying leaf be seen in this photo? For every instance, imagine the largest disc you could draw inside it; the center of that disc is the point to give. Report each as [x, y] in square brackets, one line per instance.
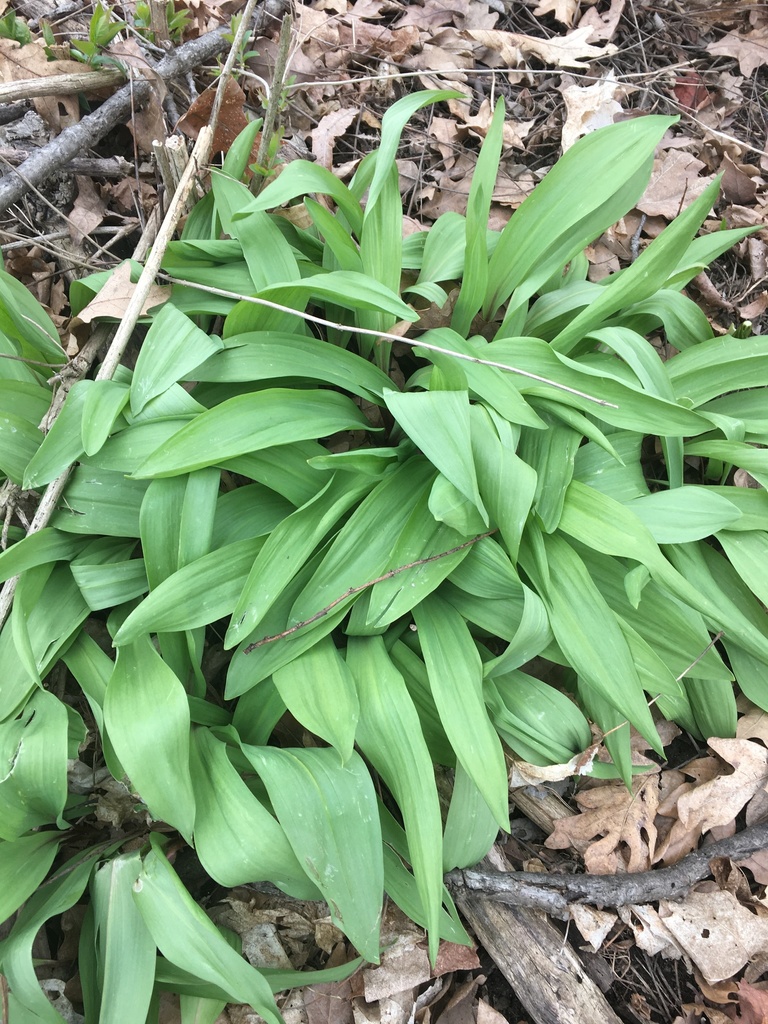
[674, 184]
[112, 301]
[750, 50]
[509, 49]
[590, 107]
[563, 11]
[624, 821]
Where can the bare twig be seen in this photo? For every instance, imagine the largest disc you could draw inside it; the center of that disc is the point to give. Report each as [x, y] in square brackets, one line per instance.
[413, 342]
[363, 586]
[553, 893]
[77, 139]
[60, 85]
[274, 98]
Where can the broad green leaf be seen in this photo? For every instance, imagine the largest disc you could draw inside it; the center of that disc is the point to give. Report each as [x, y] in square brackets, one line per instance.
[104, 402]
[172, 348]
[456, 680]
[188, 938]
[475, 278]
[63, 443]
[684, 514]
[250, 422]
[646, 275]
[736, 453]
[24, 863]
[361, 550]
[470, 828]
[540, 723]
[747, 553]
[99, 501]
[422, 538]
[549, 229]
[328, 811]
[248, 511]
[146, 715]
[47, 545]
[236, 838]
[33, 756]
[19, 442]
[196, 595]
[267, 355]
[299, 178]
[438, 422]
[111, 584]
[284, 469]
[589, 635]
[389, 735]
[60, 893]
[125, 949]
[24, 319]
[714, 705]
[345, 288]
[319, 691]
[287, 548]
[708, 370]
[392, 124]
[551, 455]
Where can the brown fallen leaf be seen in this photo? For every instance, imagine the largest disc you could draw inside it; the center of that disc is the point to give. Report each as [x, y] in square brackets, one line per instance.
[509, 49]
[717, 802]
[750, 50]
[89, 209]
[675, 182]
[624, 821]
[590, 107]
[563, 11]
[231, 121]
[330, 128]
[602, 25]
[112, 301]
[753, 1003]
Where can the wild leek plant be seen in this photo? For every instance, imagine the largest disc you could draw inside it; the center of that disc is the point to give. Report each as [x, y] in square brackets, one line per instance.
[300, 501]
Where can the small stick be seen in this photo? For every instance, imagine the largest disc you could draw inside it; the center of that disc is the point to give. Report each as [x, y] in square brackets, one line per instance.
[363, 586]
[273, 99]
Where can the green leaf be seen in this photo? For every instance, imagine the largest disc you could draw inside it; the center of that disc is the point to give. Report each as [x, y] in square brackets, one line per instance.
[24, 863]
[33, 766]
[684, 514]
[270, 354]
[318, 689]
[438, 422]
[125, 949]
[60, 893]
[456, 680]
[173, 347]
[328, 811]
[470, 828]
[47, 545]
[146, 714]
[250, 422]
[389, 735]
[188, 938]
[236, 838]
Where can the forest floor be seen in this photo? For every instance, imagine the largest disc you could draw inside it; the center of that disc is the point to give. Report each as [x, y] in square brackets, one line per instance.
[564, 68]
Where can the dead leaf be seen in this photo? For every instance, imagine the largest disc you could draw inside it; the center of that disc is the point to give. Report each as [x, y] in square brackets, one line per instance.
[590, 107]
[524, 774]
[89, 209]
[112, 301]
[602, 26]
[717, 802]
[330, 128]
[453, 957]
[624, 820]
[750, 50]
[231, 120]
[691, 92]
[509, 49]
[675, 182]
[715, 931]
[594, 925]
[563, 11]
[753, 1003]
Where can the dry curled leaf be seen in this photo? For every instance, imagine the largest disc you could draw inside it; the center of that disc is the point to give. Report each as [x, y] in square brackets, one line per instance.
[112, 301]
[717, 802]
[675, 183]
[750, 50]
[623, 821]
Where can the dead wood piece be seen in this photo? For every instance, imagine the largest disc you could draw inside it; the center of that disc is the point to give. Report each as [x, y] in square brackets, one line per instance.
[95, 167]
[544, 971]
[553, 893]
[59, 85]
[80, 137]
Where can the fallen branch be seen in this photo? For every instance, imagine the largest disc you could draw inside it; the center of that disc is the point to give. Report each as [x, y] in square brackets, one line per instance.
[552, 893]
[60, 85]
[358, 590]
[77, 139]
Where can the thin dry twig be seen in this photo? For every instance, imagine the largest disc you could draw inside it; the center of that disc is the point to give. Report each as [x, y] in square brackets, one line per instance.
[363, 586]
[413, 342]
